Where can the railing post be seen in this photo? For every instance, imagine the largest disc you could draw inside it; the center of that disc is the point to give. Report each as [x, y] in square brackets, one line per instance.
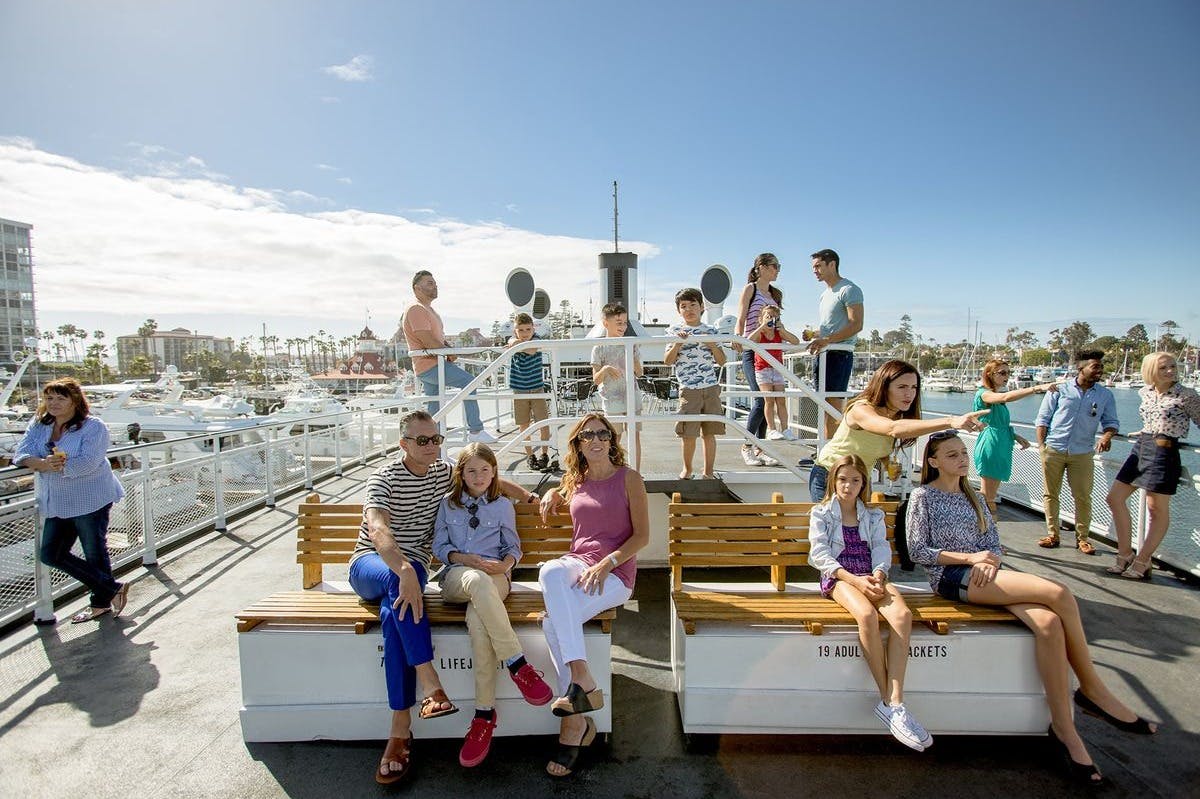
[631, 396]
[218, 487]
[149, 539]
[337, 448]
[308, 483]
[268, 463]
[43, 609]
[365, 436]
[1142, 519]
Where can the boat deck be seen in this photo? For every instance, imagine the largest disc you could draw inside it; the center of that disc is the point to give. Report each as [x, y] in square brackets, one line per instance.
[147, 705]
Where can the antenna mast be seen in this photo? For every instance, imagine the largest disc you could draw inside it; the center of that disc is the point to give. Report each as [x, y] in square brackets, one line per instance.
[615, 248]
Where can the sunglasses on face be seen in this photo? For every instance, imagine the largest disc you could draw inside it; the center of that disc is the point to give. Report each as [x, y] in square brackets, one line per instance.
[588, 435]
[942, 435]
[1003, 372]
[424, 441]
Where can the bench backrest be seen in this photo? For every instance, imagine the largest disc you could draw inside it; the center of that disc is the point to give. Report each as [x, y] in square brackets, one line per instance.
[327, 534]
[729, 534]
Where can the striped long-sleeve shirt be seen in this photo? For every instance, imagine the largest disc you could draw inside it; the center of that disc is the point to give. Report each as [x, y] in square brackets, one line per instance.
[86, 484]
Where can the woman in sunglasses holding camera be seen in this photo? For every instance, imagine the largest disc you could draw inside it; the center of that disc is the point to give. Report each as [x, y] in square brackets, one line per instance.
[611, 522]
[955, 539]
[993, 447]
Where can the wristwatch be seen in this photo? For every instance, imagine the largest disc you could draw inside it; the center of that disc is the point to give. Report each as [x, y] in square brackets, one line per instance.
[612, 558]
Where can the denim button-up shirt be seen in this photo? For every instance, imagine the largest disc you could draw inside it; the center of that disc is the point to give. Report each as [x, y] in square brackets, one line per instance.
[86, 484]
[1073, 416]
[495, 537]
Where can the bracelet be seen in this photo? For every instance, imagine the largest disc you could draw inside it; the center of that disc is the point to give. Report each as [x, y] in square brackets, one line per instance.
[612, 558]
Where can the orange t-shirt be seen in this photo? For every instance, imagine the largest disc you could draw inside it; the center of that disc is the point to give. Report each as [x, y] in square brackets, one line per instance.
[422, 317]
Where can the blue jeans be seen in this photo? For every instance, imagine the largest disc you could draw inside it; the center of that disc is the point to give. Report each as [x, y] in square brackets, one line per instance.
[756, 423]
[818, 479]
[406, 643]
[456, 377]
[94, 569]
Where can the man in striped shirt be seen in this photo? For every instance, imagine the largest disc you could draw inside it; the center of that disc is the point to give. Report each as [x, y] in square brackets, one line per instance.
[390, 564]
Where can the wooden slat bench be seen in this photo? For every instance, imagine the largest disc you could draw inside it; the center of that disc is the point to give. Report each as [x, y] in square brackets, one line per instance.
[308, 671]
[772, 655]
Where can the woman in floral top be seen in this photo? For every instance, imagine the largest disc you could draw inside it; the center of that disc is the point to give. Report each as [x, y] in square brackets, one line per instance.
[952, 533]
[1167, 410]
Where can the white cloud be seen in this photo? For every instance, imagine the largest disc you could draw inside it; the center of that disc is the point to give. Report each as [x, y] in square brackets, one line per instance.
[326, 168]
[356, 70]
[347, 181]
[154, 245]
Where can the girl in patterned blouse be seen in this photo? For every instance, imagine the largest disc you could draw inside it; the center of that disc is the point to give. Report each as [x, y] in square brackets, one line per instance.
[849, 547]
[954, 536]
[1167, 411]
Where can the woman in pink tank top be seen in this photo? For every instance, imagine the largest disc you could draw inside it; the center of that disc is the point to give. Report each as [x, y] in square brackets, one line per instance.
[611, 523]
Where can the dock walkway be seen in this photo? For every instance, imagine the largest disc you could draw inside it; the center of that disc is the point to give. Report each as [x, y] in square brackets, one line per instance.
[147, 705]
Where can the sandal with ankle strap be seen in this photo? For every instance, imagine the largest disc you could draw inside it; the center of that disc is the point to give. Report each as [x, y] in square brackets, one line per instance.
[1137, 571]
[1139, 726]
[1121, 565]
[567, 755]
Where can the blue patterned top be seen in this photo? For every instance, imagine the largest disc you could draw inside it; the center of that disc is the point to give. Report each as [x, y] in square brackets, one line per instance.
[86, 484]
[939, 521]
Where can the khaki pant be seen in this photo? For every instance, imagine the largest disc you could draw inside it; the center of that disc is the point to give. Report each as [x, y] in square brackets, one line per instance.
[1079, 471]
[492, 638]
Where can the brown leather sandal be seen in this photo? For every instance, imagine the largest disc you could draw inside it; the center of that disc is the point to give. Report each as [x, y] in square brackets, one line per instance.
[438, 697]
[398, 750]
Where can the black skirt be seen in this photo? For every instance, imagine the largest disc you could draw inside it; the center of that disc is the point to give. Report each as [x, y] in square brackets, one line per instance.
[1153, 465]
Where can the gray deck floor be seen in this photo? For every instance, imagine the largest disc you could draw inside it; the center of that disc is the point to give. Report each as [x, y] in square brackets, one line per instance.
[147, 705]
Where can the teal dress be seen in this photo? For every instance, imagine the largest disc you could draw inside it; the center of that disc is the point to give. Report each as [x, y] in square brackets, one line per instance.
[993, 448]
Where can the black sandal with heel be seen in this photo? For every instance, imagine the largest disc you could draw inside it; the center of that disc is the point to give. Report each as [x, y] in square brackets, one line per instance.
[1139, 726]
[1081, 773]
[567, 755]
[576, 700]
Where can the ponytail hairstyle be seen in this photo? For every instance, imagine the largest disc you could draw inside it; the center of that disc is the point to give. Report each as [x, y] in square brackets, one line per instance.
[929, 473]
[765, 259]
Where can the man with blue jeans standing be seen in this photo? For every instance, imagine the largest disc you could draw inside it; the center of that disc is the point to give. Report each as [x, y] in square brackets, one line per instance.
[423, 330]
[841, 317]
[1066, 435]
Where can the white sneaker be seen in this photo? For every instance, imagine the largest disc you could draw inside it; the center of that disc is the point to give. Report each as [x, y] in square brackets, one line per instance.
[749, 458]
[775, 435]
[482, 437]
[907, 730]
[790, 435]
[766, 460]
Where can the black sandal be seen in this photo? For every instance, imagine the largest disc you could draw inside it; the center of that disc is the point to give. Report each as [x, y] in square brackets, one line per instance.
[1081, 773]
[1138, 727]
[577, 701]
[567, 755]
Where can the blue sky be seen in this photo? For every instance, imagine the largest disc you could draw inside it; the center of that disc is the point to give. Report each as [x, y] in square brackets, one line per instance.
[219, 164]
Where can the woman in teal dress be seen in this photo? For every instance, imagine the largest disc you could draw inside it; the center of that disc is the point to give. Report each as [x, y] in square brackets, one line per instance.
[993, 447]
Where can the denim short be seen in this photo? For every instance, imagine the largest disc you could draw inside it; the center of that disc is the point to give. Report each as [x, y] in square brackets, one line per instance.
[1153, 465]
[954, 582]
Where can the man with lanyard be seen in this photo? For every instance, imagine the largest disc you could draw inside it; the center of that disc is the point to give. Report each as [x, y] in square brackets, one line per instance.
[390, 565]
[1066, 434]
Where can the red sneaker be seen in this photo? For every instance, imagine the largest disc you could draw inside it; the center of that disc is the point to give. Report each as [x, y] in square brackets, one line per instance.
[478, 741]
[531, 685]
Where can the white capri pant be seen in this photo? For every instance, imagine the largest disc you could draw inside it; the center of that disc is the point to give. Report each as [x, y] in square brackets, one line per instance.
[568, 606]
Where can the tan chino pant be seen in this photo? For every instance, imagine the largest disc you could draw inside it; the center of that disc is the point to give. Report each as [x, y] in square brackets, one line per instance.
[492, 638]
[1079, 471]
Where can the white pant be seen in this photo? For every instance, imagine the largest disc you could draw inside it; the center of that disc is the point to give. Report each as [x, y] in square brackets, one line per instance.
[568, 606]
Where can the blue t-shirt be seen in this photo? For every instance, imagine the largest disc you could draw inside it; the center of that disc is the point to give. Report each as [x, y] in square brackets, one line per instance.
[525, 373]
[834, 302]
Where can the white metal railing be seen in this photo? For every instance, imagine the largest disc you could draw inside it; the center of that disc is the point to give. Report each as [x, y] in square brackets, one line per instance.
[450, 402]
[181, 486]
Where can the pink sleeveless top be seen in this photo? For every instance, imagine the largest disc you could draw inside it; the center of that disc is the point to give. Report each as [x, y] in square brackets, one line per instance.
[600, 516]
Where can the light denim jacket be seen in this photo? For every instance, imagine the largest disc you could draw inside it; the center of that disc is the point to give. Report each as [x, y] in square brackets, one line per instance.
[86, 484]
[826, 540]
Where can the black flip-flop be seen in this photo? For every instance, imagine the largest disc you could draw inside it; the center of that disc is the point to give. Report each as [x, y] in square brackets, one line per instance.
[567, 755]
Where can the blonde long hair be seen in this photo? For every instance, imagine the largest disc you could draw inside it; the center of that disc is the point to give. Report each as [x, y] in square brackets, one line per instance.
[484, 453]
[575, 465]
[930, 473]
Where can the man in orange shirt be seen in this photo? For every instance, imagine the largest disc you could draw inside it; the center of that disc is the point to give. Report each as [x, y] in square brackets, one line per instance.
[423, 331]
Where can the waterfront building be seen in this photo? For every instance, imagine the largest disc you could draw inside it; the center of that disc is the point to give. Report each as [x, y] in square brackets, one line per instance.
[18, 319]
[165, 348]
